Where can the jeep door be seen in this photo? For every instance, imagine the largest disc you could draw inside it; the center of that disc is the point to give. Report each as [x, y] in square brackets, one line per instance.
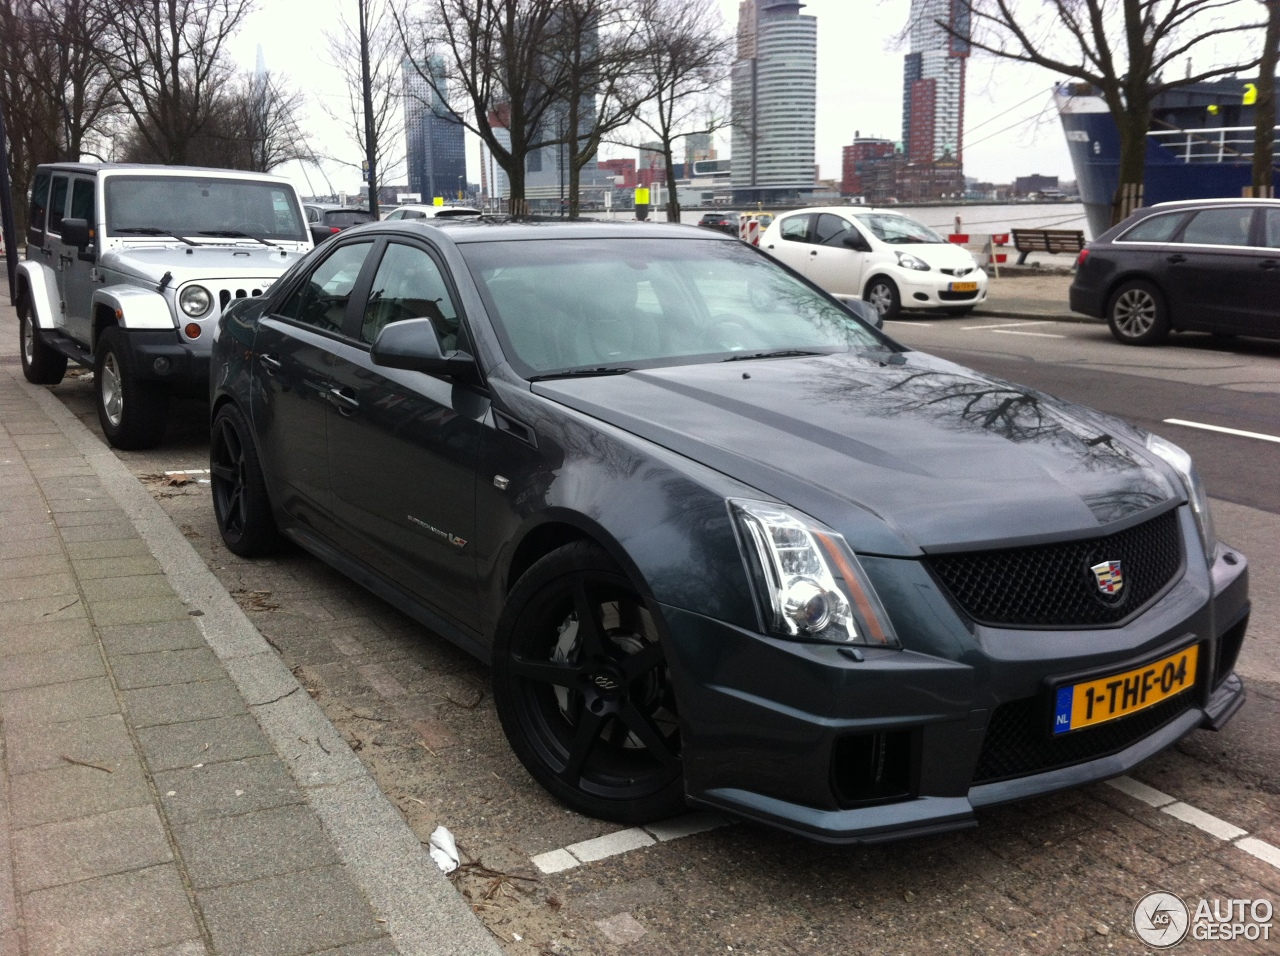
[403, 445]
[77, 284]
[295, 349]
[54, 250]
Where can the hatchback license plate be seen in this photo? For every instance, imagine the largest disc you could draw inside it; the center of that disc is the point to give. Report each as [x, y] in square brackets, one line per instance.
[964, 287]
[1108, 698]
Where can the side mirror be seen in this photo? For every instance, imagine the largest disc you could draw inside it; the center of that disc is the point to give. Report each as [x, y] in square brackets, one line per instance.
[75, 232]
[855, 241]
[866, 312]
[319, 233]
[412, 344]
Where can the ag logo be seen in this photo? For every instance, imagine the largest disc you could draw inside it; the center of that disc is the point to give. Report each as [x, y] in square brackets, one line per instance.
[1161, 920]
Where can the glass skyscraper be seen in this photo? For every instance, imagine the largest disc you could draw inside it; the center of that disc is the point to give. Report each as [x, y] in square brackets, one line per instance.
[436, 148]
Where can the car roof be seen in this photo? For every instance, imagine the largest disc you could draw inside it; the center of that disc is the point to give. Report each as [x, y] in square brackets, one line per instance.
[464, 231]
[156, 169]
[845, 211]
[1222, 201]
[433, 208]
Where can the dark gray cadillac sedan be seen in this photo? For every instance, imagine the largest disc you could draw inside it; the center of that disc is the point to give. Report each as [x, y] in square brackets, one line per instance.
[723, 542]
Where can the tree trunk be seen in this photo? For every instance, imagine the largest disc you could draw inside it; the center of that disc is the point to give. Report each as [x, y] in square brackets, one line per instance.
[1133, 127]
[515, 176]
[575, 181]
[673, 197]
[1265, 108]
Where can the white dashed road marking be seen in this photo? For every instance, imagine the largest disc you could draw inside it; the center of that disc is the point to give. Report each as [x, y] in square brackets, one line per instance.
[623, 841]
[1214, 826]
[1001, 325]
[1039, 335]
[1219, 428]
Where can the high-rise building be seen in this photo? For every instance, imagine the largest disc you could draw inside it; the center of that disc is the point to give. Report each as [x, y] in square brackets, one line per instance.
[775, 97]
[436, 148]
[933, 80]
[698, 147]
[860, 165]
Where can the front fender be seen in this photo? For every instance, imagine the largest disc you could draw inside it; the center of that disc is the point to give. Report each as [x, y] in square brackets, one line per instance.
[135, 308]
[42, 290]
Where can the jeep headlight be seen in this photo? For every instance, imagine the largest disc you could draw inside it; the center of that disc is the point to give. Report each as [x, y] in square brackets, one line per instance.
[908, 261]
[195, 300]
[811, 587]
[1186, 470]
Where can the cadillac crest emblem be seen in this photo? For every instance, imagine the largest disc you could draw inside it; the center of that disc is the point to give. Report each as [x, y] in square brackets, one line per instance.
[1110, 578]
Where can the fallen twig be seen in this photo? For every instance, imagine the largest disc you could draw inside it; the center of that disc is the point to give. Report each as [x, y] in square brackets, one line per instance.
[85, 763]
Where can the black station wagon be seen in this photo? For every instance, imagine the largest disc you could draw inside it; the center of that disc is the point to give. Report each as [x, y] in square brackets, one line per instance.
[723, 542]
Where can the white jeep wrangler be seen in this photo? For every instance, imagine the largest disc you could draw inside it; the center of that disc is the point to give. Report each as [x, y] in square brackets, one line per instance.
[128, 269]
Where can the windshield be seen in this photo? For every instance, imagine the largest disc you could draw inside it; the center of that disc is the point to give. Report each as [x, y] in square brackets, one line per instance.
[629, 303]
[893, 228]
[189, 206]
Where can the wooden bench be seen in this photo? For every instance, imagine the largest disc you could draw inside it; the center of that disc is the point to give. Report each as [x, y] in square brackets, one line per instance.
[1047, 240]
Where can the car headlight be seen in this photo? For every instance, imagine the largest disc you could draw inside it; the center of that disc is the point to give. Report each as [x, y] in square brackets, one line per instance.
[908, 261]
[195, 300]
[810, 584]
[1186, 470]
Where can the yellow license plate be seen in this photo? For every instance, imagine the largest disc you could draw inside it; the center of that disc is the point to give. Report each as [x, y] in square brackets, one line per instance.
[964, 287]
[1119, 695]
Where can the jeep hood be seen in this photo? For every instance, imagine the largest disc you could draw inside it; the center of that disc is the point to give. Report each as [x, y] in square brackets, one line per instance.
[902, 453]
[186, 263]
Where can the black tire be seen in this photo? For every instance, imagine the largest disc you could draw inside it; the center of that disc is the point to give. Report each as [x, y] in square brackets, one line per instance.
[959, 309]
[590, 711]
[241, 504]
[132, 411]
[41, 364]
[883, 295]
[1137, 313]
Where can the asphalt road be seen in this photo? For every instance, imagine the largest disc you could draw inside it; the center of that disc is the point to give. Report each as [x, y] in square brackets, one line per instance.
[1058, 874]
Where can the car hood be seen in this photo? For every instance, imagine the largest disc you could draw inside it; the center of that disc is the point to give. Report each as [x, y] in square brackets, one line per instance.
[202, 262]
[902, 453]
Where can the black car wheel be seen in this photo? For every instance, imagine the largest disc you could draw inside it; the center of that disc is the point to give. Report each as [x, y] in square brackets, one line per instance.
[41, 364]
[583, 689]
[132, 411]
[240, 501]
[1137, 314]
[882, 293]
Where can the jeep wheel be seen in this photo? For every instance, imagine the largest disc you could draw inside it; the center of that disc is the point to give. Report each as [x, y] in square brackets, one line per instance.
[41, 364]
[132, 411]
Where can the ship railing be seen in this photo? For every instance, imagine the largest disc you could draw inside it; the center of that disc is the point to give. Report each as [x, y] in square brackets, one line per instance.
[1224, 144]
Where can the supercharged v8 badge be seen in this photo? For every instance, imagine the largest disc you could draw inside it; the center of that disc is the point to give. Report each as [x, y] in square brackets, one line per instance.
[452, 539]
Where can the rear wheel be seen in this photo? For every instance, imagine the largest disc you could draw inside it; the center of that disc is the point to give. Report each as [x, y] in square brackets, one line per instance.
[132, 411]
[883, 295]
[241, 504]
[41, 364]
[1137, 314]
[583, 689]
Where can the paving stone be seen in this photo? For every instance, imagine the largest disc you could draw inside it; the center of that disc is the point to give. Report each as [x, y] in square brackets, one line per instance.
[122, 547]
[24, 516]
[226, 789]
[50, 636]
[38, 610]
[62, 506]
[89, 569]
[53, 703]
[192, 947]
[24, 588]
[75, 850]
[166, 667]
[144, 610]
[286, 915]
[106, 531]
[30, 547]
[179, 703]
[31, 531]
[24, 502]
[172, 746]
[100, 515]
[145, 909]
[126, 586]
[217, 851]
[11, 568]
[70, 791]
[57, 667]
[102, 740]
[375, 947]
[149, 638]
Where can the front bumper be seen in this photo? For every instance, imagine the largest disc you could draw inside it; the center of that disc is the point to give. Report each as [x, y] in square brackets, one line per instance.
[163, 355]
[769, 726]
[931, 290]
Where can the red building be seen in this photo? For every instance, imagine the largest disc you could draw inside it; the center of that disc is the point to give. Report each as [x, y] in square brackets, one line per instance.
[857, 160]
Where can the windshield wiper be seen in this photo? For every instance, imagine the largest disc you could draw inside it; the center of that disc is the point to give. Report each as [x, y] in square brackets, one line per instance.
[777, 353]
[584, 372]
[152, 231]
[232, 234]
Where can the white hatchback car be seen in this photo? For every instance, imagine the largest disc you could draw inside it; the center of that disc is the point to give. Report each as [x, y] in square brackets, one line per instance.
[422, 211]
[880, 256]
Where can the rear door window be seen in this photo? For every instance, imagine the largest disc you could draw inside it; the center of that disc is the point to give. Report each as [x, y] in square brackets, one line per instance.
[1155, 229]
[1231, 226]
[57, 204]
[795, 228]
[1271, 228]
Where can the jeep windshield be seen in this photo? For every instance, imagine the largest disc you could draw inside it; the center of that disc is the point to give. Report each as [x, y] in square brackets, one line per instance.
[194, 205]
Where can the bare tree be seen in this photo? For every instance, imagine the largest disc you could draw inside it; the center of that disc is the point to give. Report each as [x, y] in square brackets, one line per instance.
[494, 55]
[170, 66]
[685, 51]
[378, 132]
[1129, 50]
[1265, 106]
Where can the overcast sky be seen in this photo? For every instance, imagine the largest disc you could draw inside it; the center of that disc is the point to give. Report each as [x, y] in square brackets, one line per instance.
[1010, 126]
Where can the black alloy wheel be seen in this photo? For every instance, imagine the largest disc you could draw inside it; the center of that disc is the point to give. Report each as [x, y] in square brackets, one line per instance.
[583, 689]
[240, 501]
[41, 365]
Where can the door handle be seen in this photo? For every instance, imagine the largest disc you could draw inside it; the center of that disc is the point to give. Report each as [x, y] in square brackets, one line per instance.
[270, 363]
[346, 402]
[1177, 257]
[48, 253]
[770, 245]
[813, 252]
[1269, 264]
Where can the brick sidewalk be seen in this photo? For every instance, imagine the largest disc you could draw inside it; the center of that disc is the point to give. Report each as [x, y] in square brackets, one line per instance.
[153, 796]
